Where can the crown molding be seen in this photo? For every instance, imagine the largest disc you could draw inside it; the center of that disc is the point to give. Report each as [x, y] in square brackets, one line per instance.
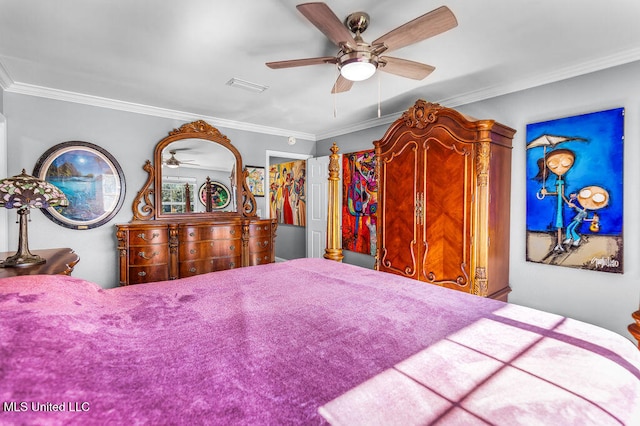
[80, 98]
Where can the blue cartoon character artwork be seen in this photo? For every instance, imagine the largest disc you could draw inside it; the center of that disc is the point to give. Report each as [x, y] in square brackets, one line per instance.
[574, 191]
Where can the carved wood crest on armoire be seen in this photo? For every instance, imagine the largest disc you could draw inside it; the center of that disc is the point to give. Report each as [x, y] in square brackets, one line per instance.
[444, 200]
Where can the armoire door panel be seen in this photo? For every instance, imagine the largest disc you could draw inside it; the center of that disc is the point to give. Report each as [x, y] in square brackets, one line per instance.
[448, 175]
[399, 171]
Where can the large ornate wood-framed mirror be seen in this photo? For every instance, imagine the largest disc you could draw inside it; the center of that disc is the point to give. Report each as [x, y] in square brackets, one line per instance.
[196, 172]
[173, 234]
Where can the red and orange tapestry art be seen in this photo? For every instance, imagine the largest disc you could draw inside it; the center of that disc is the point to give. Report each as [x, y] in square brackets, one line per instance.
[360, 202]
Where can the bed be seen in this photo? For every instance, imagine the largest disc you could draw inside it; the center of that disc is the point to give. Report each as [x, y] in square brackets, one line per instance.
[307, 341]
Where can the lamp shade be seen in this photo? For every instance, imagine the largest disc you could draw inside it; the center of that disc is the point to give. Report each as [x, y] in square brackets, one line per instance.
[26, 191]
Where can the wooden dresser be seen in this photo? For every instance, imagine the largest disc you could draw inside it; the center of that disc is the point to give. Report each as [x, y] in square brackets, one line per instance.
[180, 227]
[444, 200]
[160, 251]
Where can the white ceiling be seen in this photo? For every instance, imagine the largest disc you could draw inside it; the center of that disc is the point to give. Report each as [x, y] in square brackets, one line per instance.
[173, 58]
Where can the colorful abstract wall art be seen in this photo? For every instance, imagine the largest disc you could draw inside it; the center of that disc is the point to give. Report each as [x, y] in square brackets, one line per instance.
[575, 191]
[287, 191]
[359, 202]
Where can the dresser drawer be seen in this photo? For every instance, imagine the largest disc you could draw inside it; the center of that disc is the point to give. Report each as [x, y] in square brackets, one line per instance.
[149, 255]
[201, 233]
[259, 258]
[259, 244]
[260, 229]
[196, 267]
[146, 274]
[138, 237]
[213, 248]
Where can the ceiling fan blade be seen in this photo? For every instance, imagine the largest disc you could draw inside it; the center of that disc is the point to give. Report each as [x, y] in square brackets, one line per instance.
[342, 85]
[428, 25]
[326, 21]
[405, 68]
[302, 62]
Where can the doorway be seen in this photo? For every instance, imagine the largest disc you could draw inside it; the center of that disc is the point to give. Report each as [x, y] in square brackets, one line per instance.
[290, 240]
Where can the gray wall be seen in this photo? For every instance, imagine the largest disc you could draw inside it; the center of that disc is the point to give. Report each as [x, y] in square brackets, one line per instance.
[599, 298]
[35, 124]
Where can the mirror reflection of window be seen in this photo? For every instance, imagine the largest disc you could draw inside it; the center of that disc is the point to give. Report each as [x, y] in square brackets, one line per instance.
[174, 194]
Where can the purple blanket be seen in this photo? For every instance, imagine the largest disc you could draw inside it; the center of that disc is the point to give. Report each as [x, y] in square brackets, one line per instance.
[307, 341]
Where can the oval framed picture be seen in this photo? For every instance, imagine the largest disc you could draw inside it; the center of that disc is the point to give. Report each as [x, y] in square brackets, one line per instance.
[220, 195]
[91, 179]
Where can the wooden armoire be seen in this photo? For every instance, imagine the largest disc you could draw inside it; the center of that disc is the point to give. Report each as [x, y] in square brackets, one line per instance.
[444, 200]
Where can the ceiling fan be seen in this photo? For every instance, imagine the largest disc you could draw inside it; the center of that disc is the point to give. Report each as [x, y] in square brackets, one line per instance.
[173, 162]
[358, 60]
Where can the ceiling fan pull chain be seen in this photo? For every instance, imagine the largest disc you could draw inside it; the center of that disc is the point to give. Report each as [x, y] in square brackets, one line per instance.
[335, 96]
[379, 95]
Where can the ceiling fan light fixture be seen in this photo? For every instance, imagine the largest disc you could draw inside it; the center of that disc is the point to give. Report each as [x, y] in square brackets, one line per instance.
[357, 65]
[357, 71]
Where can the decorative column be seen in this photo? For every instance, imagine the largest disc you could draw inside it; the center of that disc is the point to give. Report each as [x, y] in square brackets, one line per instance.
[334, 239]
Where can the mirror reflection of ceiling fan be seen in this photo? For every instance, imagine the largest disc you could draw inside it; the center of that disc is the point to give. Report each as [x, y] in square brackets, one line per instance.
[173, 162]
[358, 60]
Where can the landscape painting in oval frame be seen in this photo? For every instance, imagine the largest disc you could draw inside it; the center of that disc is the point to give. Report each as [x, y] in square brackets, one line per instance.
[89, 176]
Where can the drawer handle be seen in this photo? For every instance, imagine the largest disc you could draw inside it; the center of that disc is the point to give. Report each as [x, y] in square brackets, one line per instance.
[143, 236]
[264, 244]
[232, 264]
[191, 234]
[193, 251]
[232, 248]
[144, 255]
[232, 232]
[142, 273]
[192, 270]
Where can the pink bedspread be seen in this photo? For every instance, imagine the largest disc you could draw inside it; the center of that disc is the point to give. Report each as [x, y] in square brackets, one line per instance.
[301, 342]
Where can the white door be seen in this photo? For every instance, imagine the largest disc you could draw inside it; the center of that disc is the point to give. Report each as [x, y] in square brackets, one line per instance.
[317, 204]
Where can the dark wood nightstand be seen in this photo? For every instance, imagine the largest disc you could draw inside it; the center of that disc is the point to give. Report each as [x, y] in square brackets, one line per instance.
[59, 261]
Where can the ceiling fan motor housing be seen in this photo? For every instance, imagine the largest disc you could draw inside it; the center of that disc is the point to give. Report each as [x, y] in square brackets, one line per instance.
[359, 63]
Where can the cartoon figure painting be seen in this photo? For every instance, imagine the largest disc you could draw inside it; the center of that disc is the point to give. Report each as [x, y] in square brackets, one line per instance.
[574, 191]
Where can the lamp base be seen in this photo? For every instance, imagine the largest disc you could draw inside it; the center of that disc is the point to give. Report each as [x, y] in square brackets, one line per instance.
[22, 260]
